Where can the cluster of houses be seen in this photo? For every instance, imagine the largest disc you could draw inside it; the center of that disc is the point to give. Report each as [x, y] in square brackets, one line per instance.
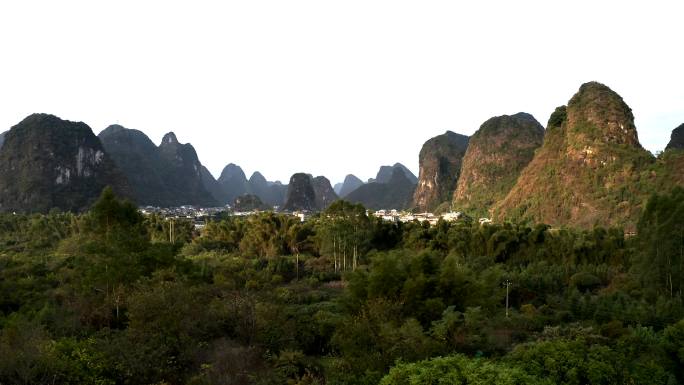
[397, 216]
[200, 215]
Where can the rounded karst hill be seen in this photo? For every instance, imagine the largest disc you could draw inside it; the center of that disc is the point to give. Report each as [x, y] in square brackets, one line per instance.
[590, 169]
[497, 152]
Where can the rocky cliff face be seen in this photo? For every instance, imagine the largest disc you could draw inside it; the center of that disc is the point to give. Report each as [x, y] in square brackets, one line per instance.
[2, 138]
[590, 169]
[676, 139]
[396, 193]
[440, 167]
[300, 193]
[497, 152]
[325, 195]
[351, 183]
[47, 163]
[166, 175]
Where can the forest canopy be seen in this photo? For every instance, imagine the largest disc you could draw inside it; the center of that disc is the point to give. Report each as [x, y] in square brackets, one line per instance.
[110, 297]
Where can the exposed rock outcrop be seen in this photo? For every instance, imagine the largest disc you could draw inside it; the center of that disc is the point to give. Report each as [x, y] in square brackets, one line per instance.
[440, 166]
[49, 163]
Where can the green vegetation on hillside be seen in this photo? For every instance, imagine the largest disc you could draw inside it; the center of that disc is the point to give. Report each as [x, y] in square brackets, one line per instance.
[591, 169]
[497, 153]
[112, 297]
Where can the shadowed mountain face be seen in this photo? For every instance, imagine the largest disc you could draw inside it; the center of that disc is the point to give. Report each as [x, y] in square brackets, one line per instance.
[249, 202]
[272, 194]
[351, 183]
[137, 157]
[47, 163]
[233, 182]
[676, 140]
[395, 194]
[325, 195]
[440, 166]
[277, 192]
[385, 173]
[305, 192]
[182, 172]
[496, 154]
[591, 168]
[167, 175]
[2, 138]
[300, 193]
[212, 186]
[258, 185]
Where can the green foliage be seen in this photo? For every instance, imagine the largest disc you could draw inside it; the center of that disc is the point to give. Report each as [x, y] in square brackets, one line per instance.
[106, 298]
[558, 117]
[661, 246]
[458, 369]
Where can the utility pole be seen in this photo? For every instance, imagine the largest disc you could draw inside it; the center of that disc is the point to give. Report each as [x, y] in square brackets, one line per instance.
[507, 283]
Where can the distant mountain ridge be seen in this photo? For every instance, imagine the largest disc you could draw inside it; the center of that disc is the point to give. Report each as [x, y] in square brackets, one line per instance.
[166, 175]
[587, 168]
[385, 173]
[396, 193]
[233, 181]
[271, 193]
[351, 183]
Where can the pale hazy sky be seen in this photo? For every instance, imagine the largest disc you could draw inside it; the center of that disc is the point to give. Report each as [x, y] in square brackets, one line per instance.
[332, 87]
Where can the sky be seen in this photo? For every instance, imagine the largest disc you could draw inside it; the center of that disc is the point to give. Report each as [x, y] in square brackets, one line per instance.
[332, 87]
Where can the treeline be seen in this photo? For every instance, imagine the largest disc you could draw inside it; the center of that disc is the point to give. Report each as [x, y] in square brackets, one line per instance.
[113, 297]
